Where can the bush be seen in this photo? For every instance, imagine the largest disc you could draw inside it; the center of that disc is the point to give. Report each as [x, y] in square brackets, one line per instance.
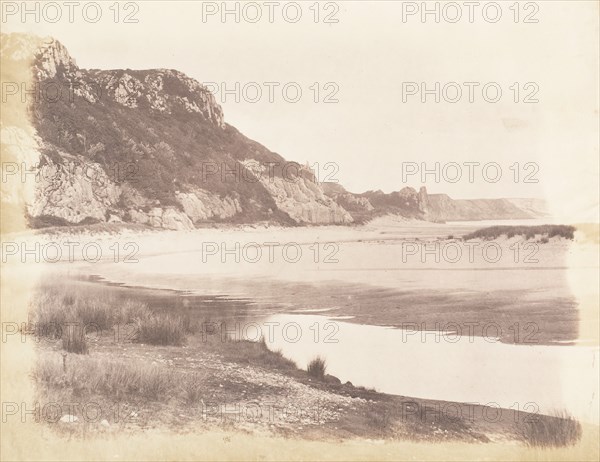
[316, 368]
[551, 431]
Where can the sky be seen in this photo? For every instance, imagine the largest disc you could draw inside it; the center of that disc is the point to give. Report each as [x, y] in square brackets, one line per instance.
[370, 61]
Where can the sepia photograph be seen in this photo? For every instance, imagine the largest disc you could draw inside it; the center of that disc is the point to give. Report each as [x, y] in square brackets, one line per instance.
[307, 230]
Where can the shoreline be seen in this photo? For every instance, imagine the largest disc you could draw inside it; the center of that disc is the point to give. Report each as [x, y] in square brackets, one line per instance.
[239, 375]
[473, 429]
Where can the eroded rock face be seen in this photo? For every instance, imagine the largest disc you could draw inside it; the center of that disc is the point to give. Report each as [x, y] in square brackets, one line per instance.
[73, 191]
[203, 205]
[300, 197]
[352, 202]
[168, 218]
[162, 90]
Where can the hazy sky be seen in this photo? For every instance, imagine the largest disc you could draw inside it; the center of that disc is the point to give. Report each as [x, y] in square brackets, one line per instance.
[368, 56]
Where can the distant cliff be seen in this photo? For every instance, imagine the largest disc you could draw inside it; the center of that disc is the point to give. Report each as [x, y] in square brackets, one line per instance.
[440, 207]
[152, 147]
[432, 207]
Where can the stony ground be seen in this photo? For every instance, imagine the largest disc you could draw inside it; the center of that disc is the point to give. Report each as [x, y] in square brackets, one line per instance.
[267, 397]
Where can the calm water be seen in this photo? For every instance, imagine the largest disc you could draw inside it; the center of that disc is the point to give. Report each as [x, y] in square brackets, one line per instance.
[444, 367]
[373, 285]
[432, 365]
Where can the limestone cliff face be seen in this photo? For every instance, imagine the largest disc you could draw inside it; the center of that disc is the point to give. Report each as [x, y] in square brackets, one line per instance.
[135, 146]
[154, 90]
[297, 194]
[167, 218]
[202, 205]
[73, 191]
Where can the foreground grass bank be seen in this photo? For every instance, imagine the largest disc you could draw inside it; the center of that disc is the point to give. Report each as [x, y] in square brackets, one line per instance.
[145, 369]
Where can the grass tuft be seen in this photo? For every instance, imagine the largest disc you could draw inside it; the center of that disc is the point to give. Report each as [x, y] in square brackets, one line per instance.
[161, 329]
[558, 430]
[113, 378]
[60, 314]
[316, 368]
[74, 341]
[194, 387]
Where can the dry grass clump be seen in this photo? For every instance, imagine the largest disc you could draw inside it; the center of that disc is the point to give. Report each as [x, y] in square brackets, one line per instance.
[249, 352]
[116, 379]
[161, 329]
[317, 368]
[193, 387]
[560, 429]
[73, 339]
[60, 313]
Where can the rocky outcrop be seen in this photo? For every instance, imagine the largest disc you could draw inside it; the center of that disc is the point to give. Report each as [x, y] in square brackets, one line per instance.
[73, 191]
[440, 207]
[297, 194]
[167, 218]
[350, 202]
[154, 90]
[353, 202]
[66, 187]
[409, 203]
[202, 206]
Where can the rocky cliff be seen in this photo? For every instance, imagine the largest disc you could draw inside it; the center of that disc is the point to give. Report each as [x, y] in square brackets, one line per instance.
[440, 207]
[420, 205]
[152, 147]
[149, 147]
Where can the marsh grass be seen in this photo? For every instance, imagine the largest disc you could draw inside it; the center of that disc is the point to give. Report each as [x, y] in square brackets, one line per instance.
[70, 313]
[560, 429]
[74, 340]
[101, 376]
[161, 329]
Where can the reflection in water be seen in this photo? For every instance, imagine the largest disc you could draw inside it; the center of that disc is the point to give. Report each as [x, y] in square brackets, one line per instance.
[417, 364]
[445, 367]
